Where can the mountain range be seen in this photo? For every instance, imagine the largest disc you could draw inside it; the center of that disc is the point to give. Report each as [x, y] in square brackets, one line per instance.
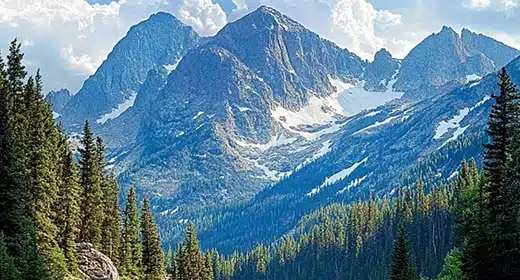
[268, 120]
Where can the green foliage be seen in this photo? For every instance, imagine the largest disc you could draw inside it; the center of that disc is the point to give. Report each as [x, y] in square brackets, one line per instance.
[131, 263]
[112, 224]
[153, 257]
[67, 209]
[92, 196]
[452, 267]
[46, 206]
[401, 268]
[7, 265]
[491, 238]
[190, 263]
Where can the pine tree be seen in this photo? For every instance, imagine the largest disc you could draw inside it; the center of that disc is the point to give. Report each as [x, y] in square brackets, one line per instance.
[131, 262]
[504, 126]
[207, 272]
[401, 268]
[476, 258]
[112, 224]
[153, 257]
[92, 196]
[15, 220]
[42, 149]
[452, 267]
[190, 263]
[180, 268]
[7, 265]
[67, 206]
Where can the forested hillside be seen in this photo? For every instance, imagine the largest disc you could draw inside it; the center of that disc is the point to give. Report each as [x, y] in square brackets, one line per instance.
[50, 203]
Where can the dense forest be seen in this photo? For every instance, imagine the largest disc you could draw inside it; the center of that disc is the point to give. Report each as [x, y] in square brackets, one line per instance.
[53, 198]
[50, 202]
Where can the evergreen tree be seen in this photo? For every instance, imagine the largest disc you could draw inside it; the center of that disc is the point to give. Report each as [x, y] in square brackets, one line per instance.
[7, 265]
[112, 225]
[401, 268]
[92, 196]
[476, 253]
[68, 212]
[504, 126]
[15, 221]
[153, 257]
[452, 267]
[42, 150]
[131, 262]
[207, 272]
[190, 263]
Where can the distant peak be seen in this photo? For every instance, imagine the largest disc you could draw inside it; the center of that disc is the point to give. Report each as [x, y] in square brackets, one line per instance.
[383, 53]
[465, 30]
[447, 30]
[267, 10]
[163, 16]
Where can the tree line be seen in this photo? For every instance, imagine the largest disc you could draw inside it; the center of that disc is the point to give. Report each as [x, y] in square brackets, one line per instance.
[50, 202]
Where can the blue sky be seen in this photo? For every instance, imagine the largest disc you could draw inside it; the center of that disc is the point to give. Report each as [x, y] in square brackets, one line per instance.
[69, 39]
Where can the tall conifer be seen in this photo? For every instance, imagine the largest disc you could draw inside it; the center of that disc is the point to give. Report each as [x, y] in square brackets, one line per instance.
[131, 262]
[92, 195]
[67, 207]
[153, 257]
[401, 268]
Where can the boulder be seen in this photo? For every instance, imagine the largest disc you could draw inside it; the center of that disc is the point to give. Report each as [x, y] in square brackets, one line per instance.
[94, 265]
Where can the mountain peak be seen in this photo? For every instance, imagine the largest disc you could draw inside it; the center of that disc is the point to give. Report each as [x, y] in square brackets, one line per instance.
[448, 31]
[159, 18]
[382, 53]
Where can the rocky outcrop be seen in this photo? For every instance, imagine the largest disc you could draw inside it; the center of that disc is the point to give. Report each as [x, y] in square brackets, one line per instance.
[158, 42]
[94, 265]
[381, 71]
[58, 99]
[444, 57]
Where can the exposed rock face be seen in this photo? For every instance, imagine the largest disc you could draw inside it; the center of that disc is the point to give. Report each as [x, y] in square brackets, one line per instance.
[58, 99]
[94, 265]
[500, 53]
[444, 57]
[158, 42]
[381, 71]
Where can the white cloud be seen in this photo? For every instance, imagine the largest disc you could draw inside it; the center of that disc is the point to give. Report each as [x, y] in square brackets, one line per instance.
[479, 4]
[69, 39]
[499, 5]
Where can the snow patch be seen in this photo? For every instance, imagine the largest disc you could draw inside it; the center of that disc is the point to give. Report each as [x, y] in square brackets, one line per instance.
[172, 67]
[353, 184]
[378, 123]
[198, 115]
[372, 114]
[354, 98]
[121, 108]
[473, 77]
[337, 177]
[243, 109]
[325, 149]
[275, 142]
[454, 123]
[453, 175]
[170, 211]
